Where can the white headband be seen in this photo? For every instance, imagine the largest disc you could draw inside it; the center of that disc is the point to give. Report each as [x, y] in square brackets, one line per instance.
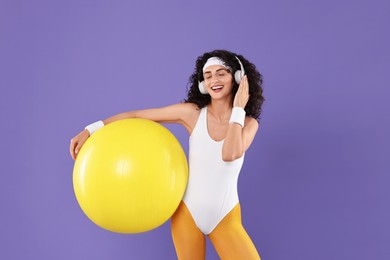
[215, 61]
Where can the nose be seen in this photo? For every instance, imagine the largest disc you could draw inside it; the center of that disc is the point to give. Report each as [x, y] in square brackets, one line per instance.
[215, 78]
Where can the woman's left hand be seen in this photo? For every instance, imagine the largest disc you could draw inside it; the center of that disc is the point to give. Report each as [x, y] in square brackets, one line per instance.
[242, 95]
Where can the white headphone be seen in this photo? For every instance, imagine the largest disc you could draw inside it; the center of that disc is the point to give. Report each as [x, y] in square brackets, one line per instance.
[238, 75]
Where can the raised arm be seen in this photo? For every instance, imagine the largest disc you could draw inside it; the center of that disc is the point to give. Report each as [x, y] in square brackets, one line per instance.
[182, 113]
[242, 130]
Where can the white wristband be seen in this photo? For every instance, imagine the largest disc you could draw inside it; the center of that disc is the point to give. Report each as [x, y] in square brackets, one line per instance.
[238, 116]
[92, 128]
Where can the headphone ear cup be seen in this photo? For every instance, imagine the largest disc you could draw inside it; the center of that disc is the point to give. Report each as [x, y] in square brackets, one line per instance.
[202, 88]
[238, 76]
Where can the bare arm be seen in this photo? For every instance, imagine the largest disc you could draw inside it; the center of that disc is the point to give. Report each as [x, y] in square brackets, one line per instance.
[179, 113]
[182, 113]
[238, 139]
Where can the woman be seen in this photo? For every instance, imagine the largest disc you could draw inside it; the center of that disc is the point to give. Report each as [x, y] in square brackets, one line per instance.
[220, 114]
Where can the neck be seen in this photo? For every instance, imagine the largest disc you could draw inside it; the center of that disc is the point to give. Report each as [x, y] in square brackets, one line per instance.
[220, 110]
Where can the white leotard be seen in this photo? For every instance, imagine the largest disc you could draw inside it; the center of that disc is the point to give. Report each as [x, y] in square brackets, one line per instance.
[212, 186]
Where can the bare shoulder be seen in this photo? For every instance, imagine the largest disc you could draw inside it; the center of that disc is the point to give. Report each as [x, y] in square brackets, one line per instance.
[183, 113]
[252, 123]
[183, 110]
[189, 108]
[190, 113]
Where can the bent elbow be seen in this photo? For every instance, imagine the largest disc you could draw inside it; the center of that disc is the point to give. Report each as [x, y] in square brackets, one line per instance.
[229, 157]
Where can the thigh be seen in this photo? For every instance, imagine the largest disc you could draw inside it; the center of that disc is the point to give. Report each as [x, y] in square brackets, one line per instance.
[231, 240]
[189, 241]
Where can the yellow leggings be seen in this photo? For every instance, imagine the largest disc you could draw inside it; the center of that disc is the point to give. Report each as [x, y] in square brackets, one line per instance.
[229, 237]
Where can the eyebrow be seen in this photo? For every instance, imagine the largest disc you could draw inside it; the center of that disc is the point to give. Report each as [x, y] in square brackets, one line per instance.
[206, 72]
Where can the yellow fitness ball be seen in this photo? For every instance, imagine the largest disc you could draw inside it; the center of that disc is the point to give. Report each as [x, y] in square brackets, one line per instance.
[130, 176]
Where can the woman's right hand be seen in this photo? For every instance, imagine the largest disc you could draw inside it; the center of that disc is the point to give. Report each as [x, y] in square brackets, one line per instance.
[77, 142]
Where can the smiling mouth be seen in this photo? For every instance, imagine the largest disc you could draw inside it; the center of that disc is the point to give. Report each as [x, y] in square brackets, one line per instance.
[216, 87]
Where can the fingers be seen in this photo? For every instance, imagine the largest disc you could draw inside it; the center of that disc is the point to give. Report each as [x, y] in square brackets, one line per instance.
[77, 142]
[242, 95]
[244, 86]
[247, 88]
[73, 148]
[77, 150]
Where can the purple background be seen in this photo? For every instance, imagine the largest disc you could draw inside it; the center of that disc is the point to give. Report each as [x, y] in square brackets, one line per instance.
[315, 183]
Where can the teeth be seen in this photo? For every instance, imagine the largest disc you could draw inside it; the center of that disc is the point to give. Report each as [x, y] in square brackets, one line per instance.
[216, 87]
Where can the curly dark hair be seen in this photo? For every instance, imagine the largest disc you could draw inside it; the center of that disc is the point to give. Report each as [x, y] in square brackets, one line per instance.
[255, 80]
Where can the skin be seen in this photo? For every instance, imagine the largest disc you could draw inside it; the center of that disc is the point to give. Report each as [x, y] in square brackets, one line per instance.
[236, 139]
